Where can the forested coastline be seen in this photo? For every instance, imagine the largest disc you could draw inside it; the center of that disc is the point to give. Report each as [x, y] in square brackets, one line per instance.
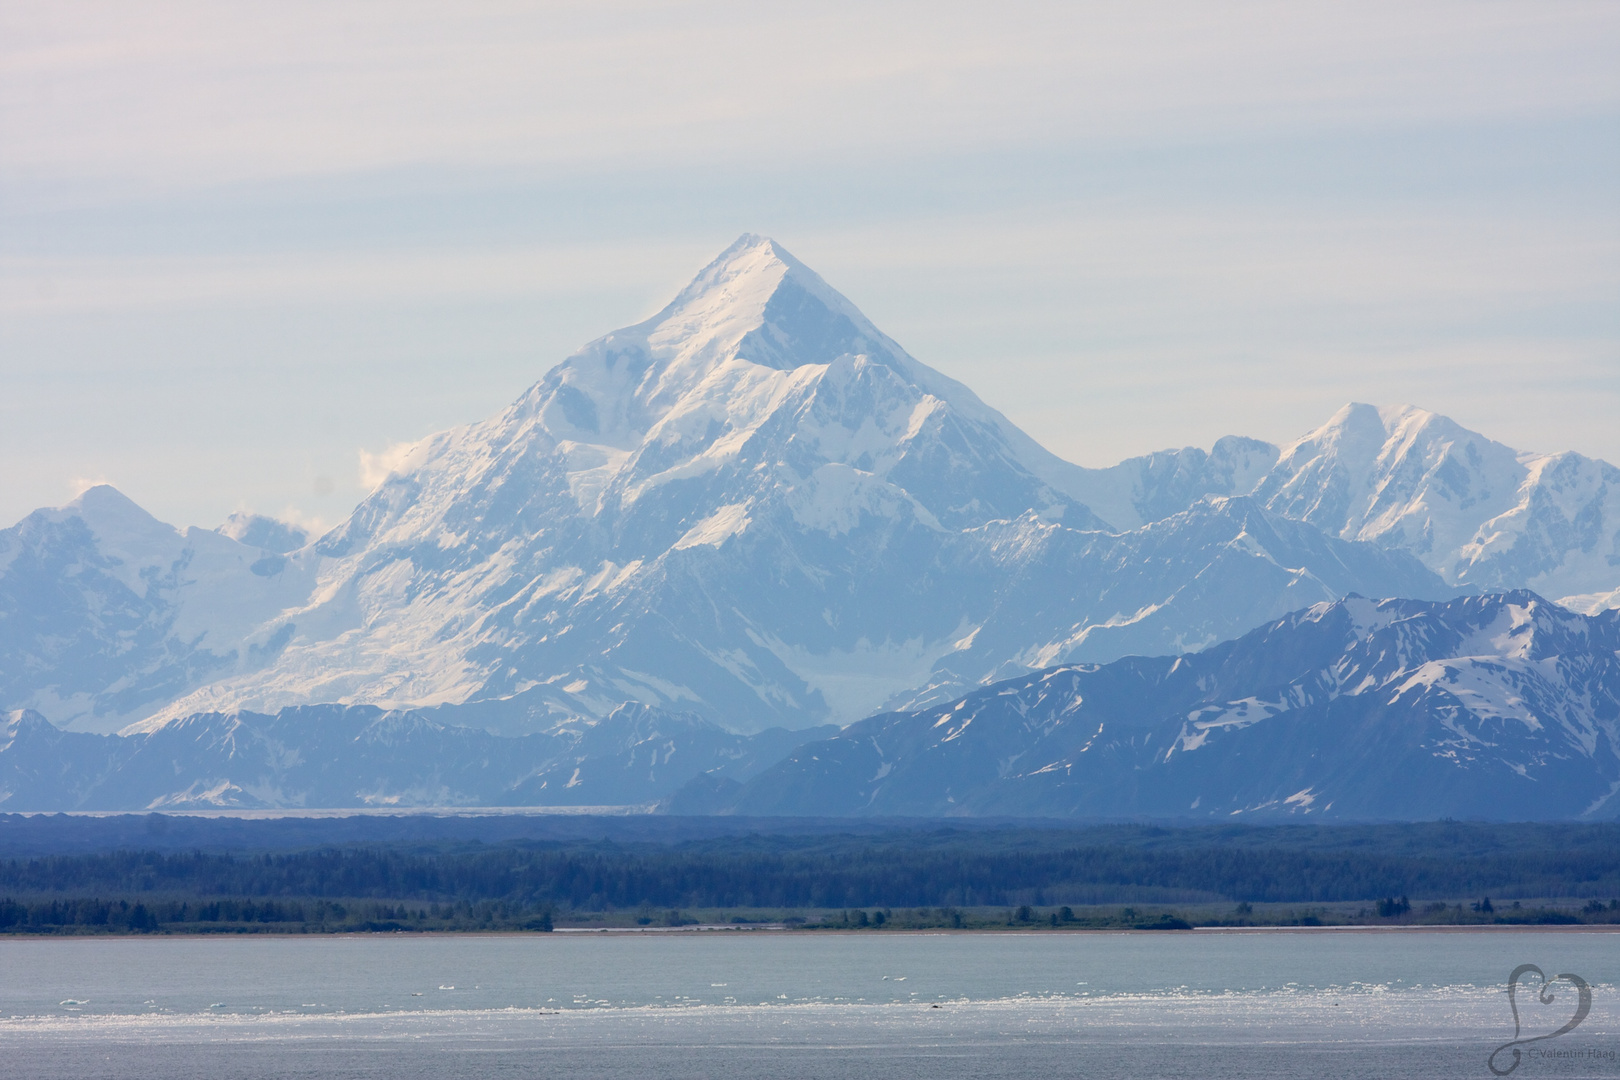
[514, 883]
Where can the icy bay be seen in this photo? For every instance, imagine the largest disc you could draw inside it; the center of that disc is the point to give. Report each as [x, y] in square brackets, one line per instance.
[1370, 1003]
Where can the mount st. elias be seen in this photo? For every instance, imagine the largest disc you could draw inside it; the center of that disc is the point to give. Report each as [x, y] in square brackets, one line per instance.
[756, 509]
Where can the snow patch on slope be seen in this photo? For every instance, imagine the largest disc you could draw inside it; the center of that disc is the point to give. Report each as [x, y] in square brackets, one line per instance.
[1591, 603]
[714, 530]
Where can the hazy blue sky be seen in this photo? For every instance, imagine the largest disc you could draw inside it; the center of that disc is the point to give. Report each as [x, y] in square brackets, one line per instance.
[241, 244]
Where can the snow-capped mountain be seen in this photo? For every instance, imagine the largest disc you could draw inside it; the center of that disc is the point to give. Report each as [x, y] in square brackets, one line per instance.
[739, 506]
[1141, 490]
[1500, 706]
[1176, 585]
[753, 506]
[362, 756]
[1478, 513]
[106, 611]
[1475, 511]
[756, 508]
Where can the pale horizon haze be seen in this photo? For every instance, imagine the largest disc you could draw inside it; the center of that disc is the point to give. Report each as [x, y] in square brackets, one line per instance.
[245, 250]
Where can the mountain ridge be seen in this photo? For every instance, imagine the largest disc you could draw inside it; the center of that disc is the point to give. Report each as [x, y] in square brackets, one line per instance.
[360, 756]
[1496, 706]
[756, 507]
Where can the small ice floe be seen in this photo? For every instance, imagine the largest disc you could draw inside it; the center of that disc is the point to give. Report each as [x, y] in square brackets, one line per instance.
[416, 993]
[717, 984]
[446, 988]
[73, 1003]
[217, 1005]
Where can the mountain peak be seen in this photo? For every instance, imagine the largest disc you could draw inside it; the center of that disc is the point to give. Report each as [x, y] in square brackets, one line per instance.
[1360, 430]
[754, 306]
[750, 327]
[746, 274]
[1399, 476]
[751, 261]
[105, 499]
[108, 511]
[758, 303]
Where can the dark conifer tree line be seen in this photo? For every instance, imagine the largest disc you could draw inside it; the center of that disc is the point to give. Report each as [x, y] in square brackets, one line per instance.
[1010, 867]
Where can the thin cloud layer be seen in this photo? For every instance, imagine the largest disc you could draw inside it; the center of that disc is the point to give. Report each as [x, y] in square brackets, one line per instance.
[239, 241]
[175, 95]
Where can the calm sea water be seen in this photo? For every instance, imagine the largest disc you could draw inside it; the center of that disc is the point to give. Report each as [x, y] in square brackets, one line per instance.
[761, 1004]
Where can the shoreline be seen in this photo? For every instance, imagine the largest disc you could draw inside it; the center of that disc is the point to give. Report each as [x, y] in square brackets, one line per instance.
[586, 932]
